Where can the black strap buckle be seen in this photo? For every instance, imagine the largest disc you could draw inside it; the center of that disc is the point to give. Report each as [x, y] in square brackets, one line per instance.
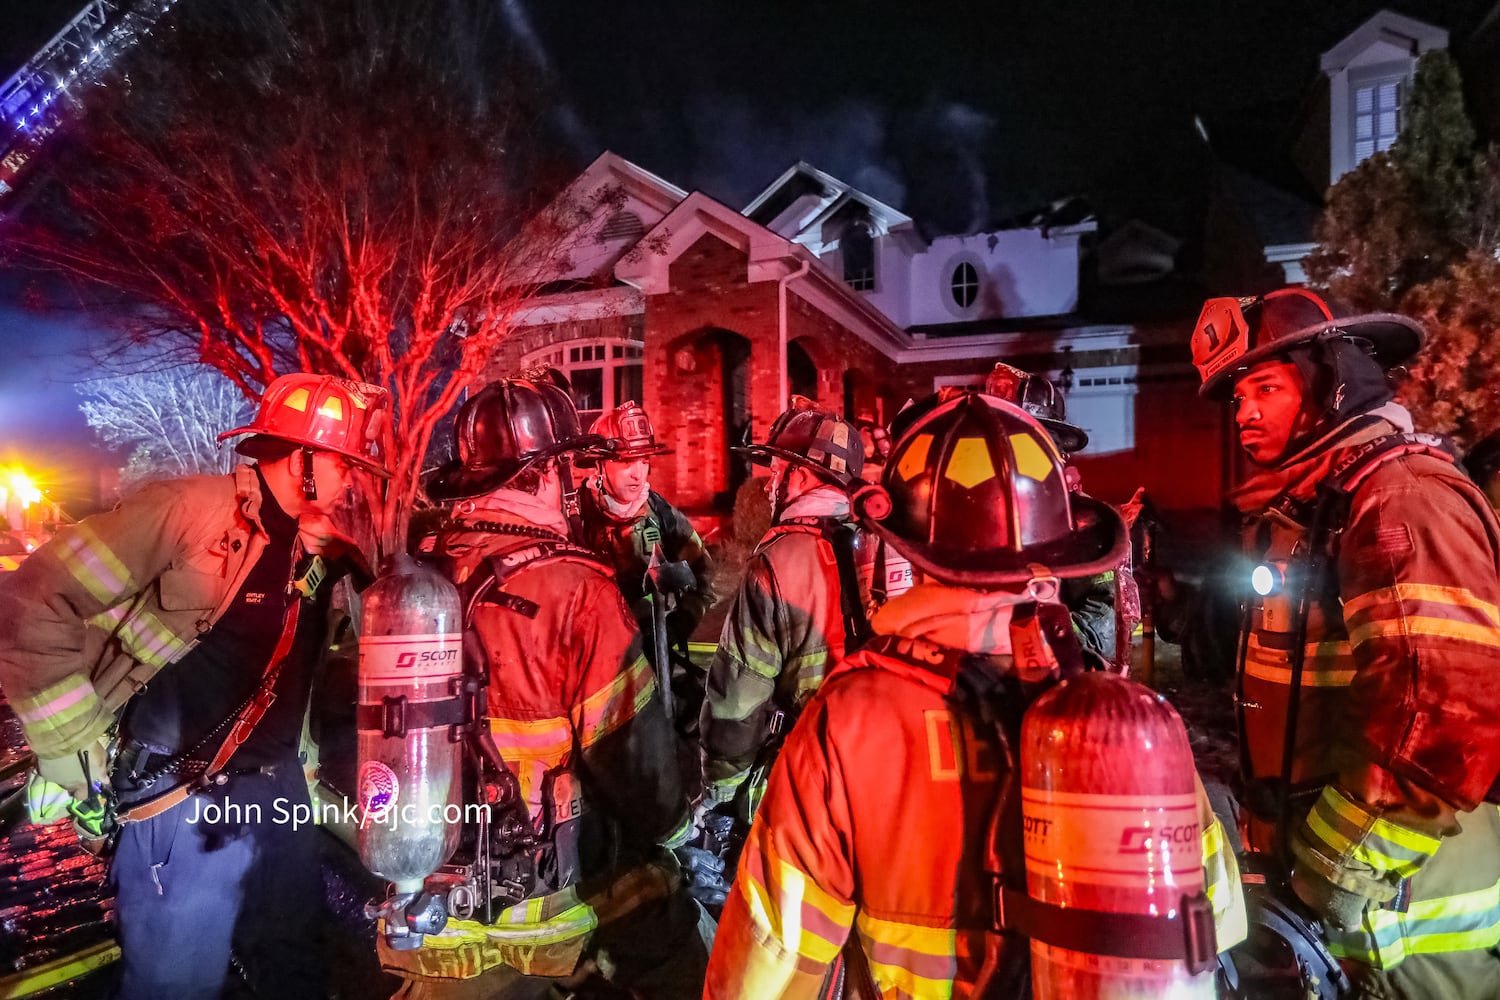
[1187, 936]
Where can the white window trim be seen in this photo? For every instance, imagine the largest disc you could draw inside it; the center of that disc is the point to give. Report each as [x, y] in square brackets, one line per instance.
[945, 284]
[556, 355]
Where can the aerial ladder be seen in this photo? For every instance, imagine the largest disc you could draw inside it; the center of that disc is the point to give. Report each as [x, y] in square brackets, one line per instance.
[44, 94]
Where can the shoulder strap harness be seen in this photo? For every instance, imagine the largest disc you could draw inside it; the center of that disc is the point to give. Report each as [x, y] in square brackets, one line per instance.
[1329, 514]
[840, 535]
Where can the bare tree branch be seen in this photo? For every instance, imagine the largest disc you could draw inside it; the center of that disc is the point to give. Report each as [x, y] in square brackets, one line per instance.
[323, 185]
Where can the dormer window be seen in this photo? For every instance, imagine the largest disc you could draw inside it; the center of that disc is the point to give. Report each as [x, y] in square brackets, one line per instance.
[1377, 115]
[858, 249]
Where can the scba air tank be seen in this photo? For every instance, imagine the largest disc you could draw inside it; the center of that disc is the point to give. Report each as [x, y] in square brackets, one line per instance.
[1111, 825]
[410, 667]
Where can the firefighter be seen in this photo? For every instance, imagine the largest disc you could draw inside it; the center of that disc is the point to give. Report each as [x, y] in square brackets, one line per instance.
[1092, 600]
[573, 713]
[880, 809]
[635, 528]
[187, 623]
[802, 599]
[1368, 708]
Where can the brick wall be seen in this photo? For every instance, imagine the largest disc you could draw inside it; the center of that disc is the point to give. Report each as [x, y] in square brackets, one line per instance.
[507, 359]
[711, 311]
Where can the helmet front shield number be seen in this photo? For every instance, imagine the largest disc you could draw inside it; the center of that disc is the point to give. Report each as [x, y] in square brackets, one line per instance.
[1221, 336]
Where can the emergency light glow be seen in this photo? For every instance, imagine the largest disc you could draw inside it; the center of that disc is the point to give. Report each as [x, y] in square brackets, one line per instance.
[1264, 580]
[18, 486]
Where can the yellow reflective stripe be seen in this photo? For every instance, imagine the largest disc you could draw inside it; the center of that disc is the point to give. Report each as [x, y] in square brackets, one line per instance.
[915, 959]
[146, 639]
[1413, 840]
[547, 739]
[793, 909]
[38, 979]
[809, 670]
[720, 790]
[1367, 838]
[142, 635]
[58, 704]
[758, 655]
[94, 566]
[1324, 665]
[1221, 884]
[1442, 628]
[1457, 596]
[1468, 921]
[682, 834]
[569, 924]
[616, 703]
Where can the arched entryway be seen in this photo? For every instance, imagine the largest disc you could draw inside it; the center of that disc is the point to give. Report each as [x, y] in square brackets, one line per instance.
[801, 371]
[704, 411]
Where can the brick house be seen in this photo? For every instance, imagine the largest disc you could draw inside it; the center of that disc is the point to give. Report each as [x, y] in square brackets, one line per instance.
[712, 317]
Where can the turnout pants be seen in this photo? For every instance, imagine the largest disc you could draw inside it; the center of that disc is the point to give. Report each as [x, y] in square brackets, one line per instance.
[225, 872]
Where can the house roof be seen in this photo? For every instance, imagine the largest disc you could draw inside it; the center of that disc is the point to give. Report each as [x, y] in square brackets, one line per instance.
[637, 181]
[824, 195]
[1386, 26]
[770, 256]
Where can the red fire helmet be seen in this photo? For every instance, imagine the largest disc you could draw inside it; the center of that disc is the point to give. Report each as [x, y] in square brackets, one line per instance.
[324, 413]
[627, 434]
[1232, 335]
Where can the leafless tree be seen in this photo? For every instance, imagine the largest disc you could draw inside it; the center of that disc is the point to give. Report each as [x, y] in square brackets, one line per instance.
[166, 421]
[339, 186]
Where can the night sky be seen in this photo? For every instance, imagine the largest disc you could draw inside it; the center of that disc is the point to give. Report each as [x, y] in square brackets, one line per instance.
[961, 113]
[947, 109]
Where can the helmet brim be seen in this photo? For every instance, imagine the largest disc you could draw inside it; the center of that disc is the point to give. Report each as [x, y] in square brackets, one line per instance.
[374, 468]
[1393, 339]
[761, 454]
[593, 456]
[1069, 438]
[1098, 543]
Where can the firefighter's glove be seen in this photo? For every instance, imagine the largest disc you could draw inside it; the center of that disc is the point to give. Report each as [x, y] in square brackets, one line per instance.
[46, 801]
[674, 577]
[717, 829]
[1336, 907]
[704, 874]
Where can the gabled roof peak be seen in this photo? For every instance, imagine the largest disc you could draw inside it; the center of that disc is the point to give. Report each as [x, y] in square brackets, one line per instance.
[1384, 26]
[831, 195]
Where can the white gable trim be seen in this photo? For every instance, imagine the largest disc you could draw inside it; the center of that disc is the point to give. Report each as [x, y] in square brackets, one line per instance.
[885, 216]
[649, 270]
[1413, 37]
